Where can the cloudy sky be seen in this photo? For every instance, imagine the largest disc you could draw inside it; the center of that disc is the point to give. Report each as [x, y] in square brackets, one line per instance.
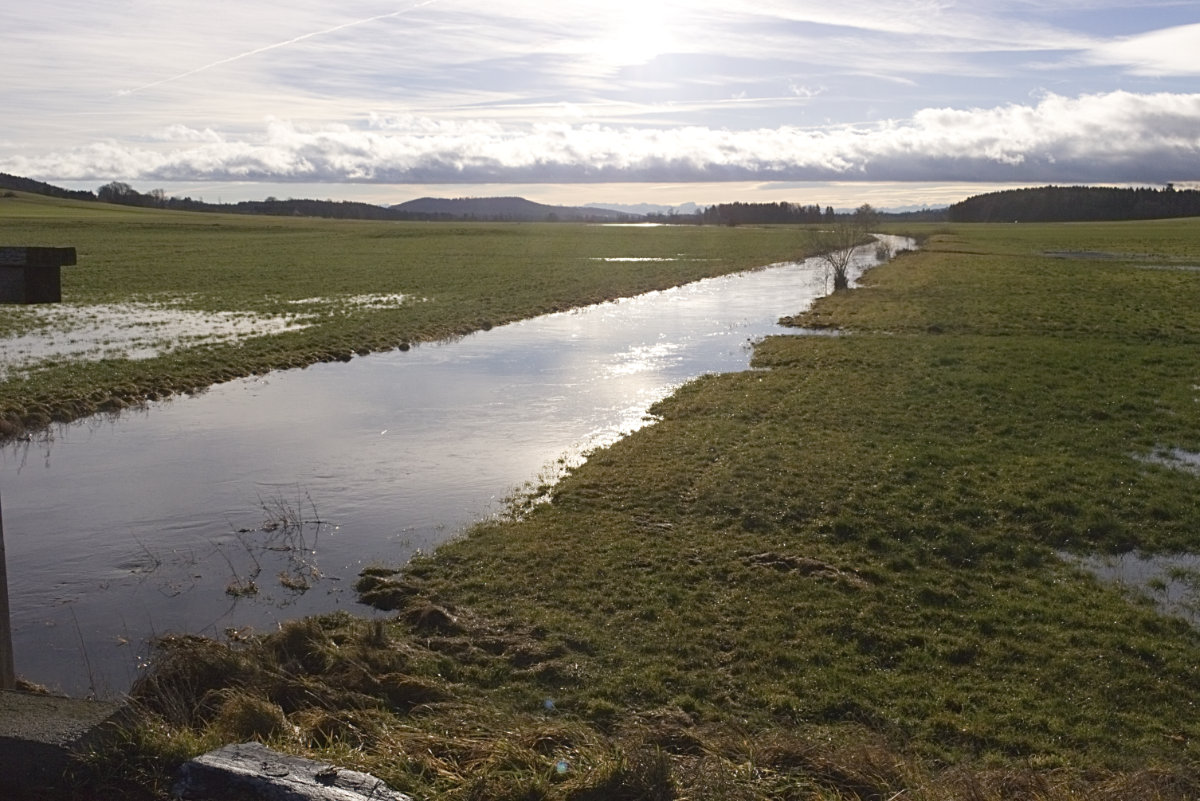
[884, 101]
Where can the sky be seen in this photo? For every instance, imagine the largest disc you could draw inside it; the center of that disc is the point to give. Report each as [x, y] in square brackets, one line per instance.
[891, 102]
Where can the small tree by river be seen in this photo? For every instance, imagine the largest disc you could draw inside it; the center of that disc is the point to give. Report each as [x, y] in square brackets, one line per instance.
[834, 243]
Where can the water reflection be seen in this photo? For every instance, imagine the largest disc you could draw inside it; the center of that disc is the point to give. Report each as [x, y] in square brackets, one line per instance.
[260, 500]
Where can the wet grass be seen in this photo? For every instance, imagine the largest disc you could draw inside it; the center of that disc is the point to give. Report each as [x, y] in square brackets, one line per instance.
[455, 279]
[836, 577]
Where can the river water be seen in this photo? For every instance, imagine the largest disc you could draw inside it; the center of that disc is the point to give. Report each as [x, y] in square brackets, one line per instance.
[260, 500]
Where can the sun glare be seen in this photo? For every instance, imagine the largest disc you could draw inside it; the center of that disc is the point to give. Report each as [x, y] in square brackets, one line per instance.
[639, 32]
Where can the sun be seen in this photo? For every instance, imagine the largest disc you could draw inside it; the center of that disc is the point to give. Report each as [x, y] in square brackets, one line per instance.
[637, 33]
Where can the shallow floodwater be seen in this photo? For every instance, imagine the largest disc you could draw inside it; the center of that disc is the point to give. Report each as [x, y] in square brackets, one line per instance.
[1171, 581]
[261, 500]
[123, 331]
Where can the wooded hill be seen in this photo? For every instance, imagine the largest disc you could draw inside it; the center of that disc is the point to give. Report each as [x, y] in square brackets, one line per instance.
[1076, 204]
[19, 184]
[512, 209]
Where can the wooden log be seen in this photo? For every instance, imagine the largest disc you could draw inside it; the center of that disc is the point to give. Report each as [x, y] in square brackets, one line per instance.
[253, 771]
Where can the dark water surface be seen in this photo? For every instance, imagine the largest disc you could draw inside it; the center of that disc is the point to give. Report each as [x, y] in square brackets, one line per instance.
[121, 529]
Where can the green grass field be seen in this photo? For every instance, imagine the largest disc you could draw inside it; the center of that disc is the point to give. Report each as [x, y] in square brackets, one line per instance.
[454, 278]
[847, 574]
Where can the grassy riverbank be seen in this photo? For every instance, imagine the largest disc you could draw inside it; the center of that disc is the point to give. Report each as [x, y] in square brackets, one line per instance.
[839, 576]
[165, 302]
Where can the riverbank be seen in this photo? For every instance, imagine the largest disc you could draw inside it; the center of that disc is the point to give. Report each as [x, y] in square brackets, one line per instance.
[162, 302]
[152, 521]
[838, 576]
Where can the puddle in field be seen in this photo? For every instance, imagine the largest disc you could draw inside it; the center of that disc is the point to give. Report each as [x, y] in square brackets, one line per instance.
[634, 258]
[260, 500]
[123, 331]
[1171, 581]
[143, 330]
[1101, 255]
[1174, 458]
[1090, 255]
[376, 301]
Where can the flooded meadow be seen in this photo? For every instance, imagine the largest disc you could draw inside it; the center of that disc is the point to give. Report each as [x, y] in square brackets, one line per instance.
[260, 500]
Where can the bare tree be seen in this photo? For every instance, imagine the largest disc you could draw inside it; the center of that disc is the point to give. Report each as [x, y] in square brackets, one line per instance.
[835, 243]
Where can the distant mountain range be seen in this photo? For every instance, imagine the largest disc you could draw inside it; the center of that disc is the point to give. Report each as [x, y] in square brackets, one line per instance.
[506, 208]
[486, 209]
[641, 209]
[1045, 204]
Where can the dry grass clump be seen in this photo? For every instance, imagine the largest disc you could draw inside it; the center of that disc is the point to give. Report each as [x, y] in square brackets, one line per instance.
[330, 663]
[188, 676]
[384, 587]
[367, 695]
[242, 716]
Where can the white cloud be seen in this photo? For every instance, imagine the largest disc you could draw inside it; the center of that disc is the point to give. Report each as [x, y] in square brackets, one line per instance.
[695, 90]
[805, 91]
[1118, 136]
[182, 133]
[1170, 51]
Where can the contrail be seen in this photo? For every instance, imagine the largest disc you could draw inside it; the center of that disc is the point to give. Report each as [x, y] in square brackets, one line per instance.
[275, 46]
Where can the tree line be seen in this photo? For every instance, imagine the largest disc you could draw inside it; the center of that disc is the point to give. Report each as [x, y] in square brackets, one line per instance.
[489, 210]
[764, 213]
[1042, 204]
[124, 194]
[18, 184]
[784, 213]
[1077, 204]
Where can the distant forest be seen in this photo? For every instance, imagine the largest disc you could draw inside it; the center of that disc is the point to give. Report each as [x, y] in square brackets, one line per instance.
[1076, 204]
[462, 209]
[739, 213]
[1043, 204]
[784, 213]
[19, 184]
[126, 195]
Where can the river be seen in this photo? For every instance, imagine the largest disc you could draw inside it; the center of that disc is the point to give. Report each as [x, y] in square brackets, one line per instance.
[260, 500]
